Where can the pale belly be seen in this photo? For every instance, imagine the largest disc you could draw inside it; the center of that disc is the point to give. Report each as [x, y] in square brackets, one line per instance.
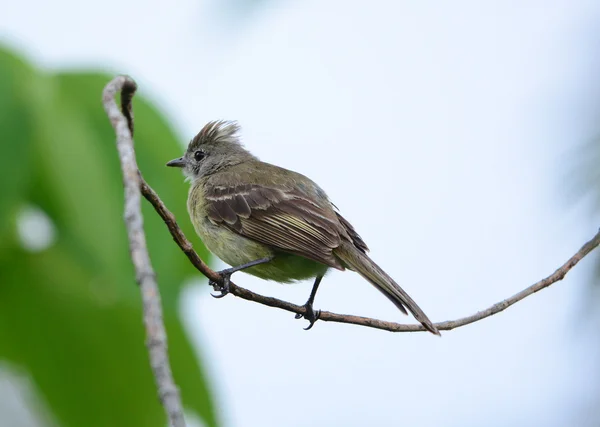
[237, 250]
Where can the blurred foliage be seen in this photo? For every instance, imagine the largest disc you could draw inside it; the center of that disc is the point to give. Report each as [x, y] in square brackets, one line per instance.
[70, 314]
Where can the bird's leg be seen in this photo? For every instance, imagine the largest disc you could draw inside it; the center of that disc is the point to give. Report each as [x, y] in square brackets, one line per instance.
[226, 276]
[310, 314]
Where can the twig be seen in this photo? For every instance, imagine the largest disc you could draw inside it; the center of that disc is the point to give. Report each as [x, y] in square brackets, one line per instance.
[327, 316]
[156, 340]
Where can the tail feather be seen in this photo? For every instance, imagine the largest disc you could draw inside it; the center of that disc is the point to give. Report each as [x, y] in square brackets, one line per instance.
[358, 261]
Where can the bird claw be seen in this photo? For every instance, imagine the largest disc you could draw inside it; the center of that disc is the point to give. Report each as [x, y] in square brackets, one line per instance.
[222, 288]
[310, 314]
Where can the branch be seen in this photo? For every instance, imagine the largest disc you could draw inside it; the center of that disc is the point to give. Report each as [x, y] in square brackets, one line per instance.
[156, 340]
[327, 316]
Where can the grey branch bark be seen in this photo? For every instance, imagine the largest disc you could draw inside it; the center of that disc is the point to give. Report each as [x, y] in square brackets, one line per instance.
[156, 336]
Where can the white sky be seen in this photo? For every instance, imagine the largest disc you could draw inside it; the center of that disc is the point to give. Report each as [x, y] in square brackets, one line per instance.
[442, 131]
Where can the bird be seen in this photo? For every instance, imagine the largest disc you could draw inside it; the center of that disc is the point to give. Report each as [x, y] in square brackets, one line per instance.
[273, 223]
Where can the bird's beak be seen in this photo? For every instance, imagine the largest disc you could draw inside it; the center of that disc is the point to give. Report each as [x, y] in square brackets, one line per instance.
[177, 163]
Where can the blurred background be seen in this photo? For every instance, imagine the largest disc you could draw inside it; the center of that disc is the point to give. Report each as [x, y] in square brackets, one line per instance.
[459, 138]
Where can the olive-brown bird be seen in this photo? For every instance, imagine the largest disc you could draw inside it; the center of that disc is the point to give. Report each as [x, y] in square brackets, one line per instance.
[272, 222]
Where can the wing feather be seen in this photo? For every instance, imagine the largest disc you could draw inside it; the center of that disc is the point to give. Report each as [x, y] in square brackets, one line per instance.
[220, 211]
[287, 220]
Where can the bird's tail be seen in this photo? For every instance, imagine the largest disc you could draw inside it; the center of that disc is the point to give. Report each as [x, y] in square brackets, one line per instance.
[358, 261]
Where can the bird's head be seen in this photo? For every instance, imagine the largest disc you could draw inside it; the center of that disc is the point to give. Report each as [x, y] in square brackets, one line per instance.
[216, 146]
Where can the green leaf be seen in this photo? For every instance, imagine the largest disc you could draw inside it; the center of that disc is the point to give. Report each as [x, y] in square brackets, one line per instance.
[16, 130]
[87, 146]
[87, 357]
[70, 316]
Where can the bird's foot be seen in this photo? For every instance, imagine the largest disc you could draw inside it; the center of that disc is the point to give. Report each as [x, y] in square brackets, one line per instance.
[310, 314]
[223, 287]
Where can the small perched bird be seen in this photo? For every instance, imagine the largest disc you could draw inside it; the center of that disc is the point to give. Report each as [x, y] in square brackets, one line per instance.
[271, 222]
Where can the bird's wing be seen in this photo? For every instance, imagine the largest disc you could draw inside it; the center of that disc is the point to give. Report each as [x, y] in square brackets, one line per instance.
[284, 219]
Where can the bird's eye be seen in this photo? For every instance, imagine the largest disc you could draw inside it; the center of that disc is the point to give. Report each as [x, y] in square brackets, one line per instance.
[199, 155]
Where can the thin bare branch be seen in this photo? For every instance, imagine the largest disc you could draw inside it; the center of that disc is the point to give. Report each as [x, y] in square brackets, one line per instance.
[156, 336]
[327, 316]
